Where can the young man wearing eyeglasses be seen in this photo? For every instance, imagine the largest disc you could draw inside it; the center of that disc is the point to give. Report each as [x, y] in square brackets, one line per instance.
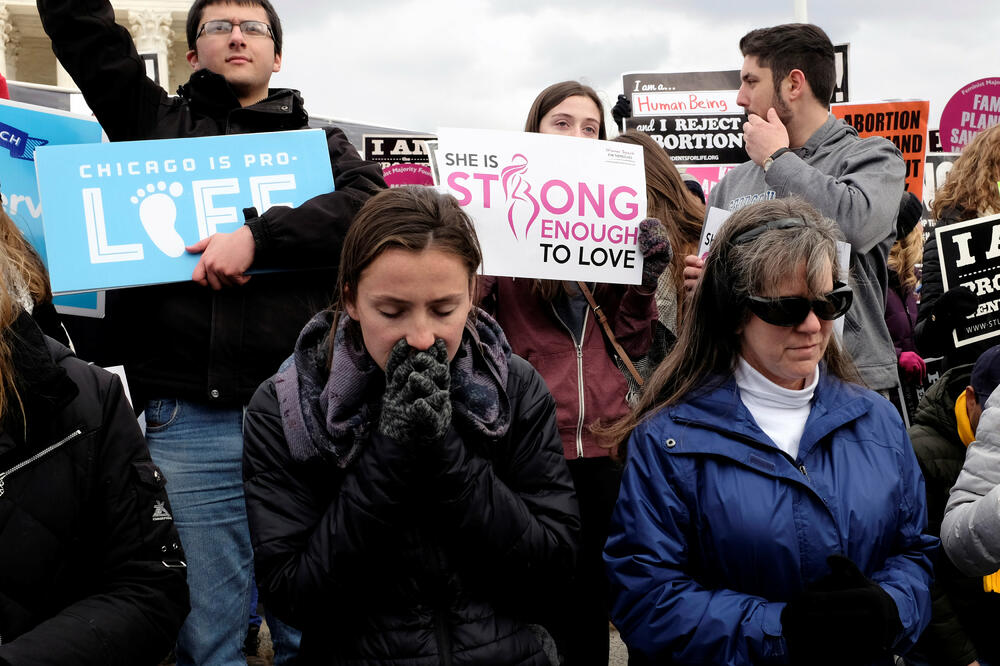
[797, 146]
[195, 352]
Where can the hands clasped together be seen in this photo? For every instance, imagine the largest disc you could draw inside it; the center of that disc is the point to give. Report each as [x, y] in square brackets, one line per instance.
[416, 405]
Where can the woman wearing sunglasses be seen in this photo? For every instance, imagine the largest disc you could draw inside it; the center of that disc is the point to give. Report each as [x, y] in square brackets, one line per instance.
[771, 509]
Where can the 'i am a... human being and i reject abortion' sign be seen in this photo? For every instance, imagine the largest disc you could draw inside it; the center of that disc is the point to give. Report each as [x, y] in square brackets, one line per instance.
[121, 214]
[550, 207]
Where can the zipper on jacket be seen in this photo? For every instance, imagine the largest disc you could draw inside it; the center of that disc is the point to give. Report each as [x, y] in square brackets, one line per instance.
[579, 374]
[40, 454]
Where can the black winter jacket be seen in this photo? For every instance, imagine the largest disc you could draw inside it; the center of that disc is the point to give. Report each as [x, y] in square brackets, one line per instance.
[964, 617]
[438, 556]
[184, 340]
[91, 568]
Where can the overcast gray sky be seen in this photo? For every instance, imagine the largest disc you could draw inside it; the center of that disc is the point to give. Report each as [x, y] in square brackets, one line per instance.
[423, 64]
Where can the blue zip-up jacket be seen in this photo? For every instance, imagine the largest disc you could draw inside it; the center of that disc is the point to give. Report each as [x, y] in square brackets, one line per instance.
[715, 527]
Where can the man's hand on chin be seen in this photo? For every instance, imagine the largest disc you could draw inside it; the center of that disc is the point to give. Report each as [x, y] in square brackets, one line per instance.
[225, 257]
[764, 136]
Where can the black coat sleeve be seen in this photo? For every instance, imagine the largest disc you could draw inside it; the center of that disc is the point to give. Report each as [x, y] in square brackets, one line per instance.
[312, 234]
[101, 58]
[316, 529]
[515, 506]
[932, 336]
[139, 595]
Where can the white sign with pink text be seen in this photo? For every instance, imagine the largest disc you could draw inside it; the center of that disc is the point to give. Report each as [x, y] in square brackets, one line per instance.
[550, 207]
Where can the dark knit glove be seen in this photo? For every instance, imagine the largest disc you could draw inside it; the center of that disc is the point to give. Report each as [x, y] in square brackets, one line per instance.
[656, 253]
[417, 402]
[844, 618]
[954, 305]
[622, 109]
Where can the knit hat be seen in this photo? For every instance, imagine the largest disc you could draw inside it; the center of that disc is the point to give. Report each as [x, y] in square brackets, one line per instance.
[986, 374]
[910, 211]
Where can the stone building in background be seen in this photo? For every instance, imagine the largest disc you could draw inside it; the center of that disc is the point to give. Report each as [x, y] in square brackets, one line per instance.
[157, 27]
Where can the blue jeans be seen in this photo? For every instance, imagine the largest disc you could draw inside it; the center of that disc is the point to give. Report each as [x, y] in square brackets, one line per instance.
[284, 638]
[199, 449]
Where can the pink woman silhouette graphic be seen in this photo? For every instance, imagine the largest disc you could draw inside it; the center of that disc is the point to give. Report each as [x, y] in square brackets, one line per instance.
[520, 203]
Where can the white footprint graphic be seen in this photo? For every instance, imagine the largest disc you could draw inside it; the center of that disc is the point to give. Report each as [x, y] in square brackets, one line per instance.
[158, 214]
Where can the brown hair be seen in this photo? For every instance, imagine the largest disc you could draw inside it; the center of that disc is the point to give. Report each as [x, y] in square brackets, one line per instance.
[971, 185]
[802, 46]
[23, 261]
[9, 311]
[18, 262]
[554, 95]
[198, 8]
[672, 203]
[410, 218]
[709, 342]
[547, 100]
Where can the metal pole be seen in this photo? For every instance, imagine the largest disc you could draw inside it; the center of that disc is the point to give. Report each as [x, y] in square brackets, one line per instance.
[801, 11]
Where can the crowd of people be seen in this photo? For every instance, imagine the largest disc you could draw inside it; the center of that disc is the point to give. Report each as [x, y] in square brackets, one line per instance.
[414, 463]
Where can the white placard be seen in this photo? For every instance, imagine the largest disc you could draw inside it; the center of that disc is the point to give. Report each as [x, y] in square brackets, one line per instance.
[709, 229]
[550, 207]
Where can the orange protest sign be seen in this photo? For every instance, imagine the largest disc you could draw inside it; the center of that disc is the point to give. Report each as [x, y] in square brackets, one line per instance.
[903, 123]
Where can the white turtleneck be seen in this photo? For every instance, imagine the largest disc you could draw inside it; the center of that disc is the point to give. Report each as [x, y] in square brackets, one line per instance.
[780, 412]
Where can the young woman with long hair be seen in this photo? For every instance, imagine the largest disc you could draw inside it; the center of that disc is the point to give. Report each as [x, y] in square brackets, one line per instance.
[407, 494]
[551, 324]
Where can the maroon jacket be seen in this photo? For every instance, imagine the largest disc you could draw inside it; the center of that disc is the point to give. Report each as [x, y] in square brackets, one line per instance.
[586, 384]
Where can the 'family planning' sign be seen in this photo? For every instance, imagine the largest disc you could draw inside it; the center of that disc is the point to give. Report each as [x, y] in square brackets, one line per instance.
[121, 214]
[551, 207]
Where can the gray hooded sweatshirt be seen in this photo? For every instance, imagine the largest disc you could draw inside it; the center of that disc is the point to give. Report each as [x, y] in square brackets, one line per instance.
[857, 183]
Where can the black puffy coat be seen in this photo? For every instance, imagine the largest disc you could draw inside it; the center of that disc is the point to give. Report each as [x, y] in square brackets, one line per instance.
[91, 568]
[442, 555]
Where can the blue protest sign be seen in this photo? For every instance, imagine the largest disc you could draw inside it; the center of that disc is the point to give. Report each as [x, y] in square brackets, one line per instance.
[121, 214]
[23, 128]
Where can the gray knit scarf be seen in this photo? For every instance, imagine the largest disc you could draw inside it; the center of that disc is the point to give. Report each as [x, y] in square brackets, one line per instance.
[328, 413]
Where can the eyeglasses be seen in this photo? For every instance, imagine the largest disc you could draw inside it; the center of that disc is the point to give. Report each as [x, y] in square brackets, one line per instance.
[225, 28]
[793, 310]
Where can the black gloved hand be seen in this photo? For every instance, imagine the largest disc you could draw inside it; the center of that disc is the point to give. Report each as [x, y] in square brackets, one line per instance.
[954, 305]
[416, 405]
[656, 252]
[843, 618]
[621, 109]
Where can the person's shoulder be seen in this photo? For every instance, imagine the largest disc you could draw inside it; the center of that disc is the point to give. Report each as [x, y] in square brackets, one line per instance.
[835, 393]
[265, 398]
[87, 376]
[844, 136]
[524, 382]
[736, 182]
[741, 171]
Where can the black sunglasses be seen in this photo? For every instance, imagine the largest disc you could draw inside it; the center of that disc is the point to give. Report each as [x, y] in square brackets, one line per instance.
[793, 310]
